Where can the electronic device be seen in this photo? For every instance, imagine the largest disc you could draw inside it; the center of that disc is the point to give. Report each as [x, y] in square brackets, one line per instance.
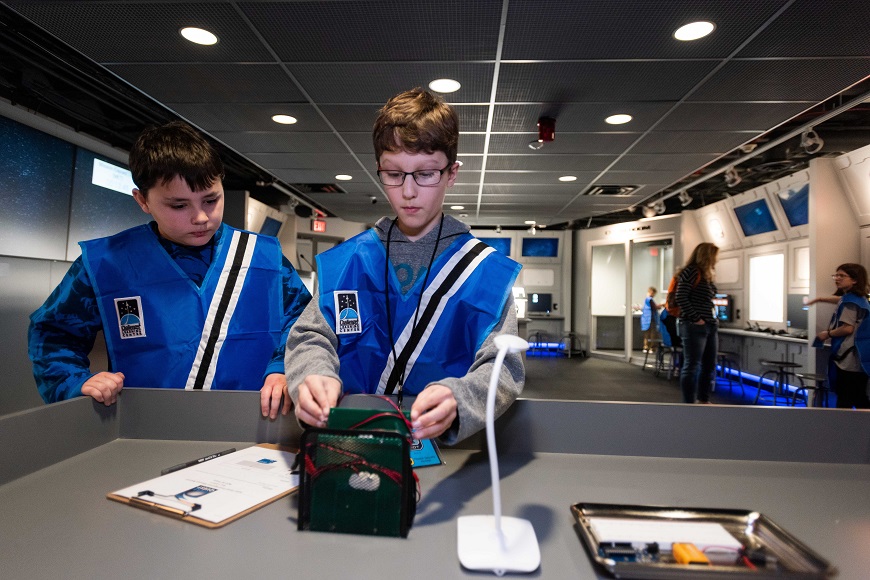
[797, 312]
[540, 303]
[501, 245]
[796, 205]
[755, 218]
[724, 306]
[540, 247]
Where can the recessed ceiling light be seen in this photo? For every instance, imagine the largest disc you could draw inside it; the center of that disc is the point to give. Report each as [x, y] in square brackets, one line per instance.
[568, 178]
[343, 177]
[457, 207]
[529, 222]
[284, 119]
[694, 30]
[619, 119]
[444, 85]
[199, 36]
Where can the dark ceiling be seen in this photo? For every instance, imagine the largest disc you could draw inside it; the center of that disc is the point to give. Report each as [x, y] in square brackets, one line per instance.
[769, 68]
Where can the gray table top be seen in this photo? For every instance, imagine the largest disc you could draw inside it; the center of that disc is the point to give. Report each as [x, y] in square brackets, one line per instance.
[58, 523]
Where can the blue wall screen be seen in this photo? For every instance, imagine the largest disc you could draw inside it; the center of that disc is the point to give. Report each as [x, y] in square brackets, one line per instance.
[755, 218]
[501, 245]
[541, 247]
[796, 205]
[271, 227]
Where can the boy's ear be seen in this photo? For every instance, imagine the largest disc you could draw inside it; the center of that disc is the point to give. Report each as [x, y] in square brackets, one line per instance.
[140, 199]
[451, 175]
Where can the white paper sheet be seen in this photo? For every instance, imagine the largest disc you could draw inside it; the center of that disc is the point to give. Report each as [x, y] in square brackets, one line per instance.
[223, 487]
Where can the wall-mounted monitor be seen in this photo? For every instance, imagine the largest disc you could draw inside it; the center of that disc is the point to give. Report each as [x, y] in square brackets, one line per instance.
[102, 201]
[755, 218]
[540, 247]
[796, 205]
[271, 227]
[797, 312]
[501, 245]
[540, 303]
[724, 305]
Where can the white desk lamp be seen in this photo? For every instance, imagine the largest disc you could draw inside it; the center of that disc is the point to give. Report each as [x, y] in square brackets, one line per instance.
[500, 544]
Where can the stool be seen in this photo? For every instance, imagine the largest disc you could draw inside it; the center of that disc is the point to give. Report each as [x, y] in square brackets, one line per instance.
[675, 362]
[727, 361]
[820, 388]
[780, 372]
[652, 343]
[568, 344]
[536, 341]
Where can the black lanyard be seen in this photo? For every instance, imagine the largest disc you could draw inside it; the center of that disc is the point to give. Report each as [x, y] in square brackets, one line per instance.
[419, 299]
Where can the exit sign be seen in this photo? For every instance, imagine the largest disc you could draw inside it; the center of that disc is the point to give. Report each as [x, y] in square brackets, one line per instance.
[318, 226]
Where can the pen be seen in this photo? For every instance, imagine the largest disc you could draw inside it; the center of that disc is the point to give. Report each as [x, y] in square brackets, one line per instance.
[197, 461]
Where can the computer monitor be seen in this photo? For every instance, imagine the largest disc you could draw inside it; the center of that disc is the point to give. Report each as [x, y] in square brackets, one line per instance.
[796, 205]
[501, 245]
[724, 306]
[271, 227]
[755, 218]
[540, 303]
[540, 247]
[797, 313]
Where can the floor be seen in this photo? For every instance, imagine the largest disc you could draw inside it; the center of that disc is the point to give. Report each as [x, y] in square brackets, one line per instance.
[602, 379]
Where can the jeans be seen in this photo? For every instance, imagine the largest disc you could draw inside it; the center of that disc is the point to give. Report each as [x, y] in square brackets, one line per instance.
[700, 348]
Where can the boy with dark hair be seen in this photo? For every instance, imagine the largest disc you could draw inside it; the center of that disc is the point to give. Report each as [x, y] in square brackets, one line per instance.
[411, 306]
[184, 301]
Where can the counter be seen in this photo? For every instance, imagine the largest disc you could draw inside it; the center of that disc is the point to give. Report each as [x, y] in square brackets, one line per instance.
[58, 462]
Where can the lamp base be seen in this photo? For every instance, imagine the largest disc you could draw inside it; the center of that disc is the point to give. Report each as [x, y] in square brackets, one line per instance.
[479, 548]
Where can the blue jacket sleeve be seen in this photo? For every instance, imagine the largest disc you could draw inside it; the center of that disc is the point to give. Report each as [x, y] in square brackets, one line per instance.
[296, 298]
[62, 333]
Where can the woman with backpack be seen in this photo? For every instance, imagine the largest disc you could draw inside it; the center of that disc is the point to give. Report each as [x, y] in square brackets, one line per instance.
[697, 325]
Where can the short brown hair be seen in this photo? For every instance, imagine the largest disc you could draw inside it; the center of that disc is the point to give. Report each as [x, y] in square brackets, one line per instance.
[161, 153]
[418, 122]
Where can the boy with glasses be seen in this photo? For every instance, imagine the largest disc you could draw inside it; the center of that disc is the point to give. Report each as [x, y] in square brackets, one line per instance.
[410, 307]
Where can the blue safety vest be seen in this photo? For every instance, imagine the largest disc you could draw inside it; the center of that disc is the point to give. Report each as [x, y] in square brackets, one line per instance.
[646, 314]
[163, 331]
[862, 332]
[468, 287]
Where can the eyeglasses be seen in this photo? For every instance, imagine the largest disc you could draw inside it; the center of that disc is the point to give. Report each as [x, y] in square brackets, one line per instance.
[839, 276]
[422, 177]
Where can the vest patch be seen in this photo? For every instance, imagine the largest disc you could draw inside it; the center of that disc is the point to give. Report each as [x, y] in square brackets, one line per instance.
[131, 321]
[347, 317]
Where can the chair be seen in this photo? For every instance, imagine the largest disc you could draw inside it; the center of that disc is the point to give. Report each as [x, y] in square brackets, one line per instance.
[820, 388]
[669, 345]
[567, 343]
[653, 345]
[729, 361]
[779, 372]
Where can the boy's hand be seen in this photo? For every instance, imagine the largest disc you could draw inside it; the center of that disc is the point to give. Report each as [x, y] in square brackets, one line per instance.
[433, 412]
[104, 387]
[317, 395]
[274, 387]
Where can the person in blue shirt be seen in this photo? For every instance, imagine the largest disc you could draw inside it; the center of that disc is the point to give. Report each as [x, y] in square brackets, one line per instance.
[184, 302]
[647, 315]
[413, 304]
[849, 335]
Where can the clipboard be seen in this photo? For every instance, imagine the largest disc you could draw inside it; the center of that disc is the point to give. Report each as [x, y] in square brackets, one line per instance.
[261, 474]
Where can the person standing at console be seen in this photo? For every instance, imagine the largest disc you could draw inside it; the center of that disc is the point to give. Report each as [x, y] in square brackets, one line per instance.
[411, 306]
[698, 326]
[184, 302]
